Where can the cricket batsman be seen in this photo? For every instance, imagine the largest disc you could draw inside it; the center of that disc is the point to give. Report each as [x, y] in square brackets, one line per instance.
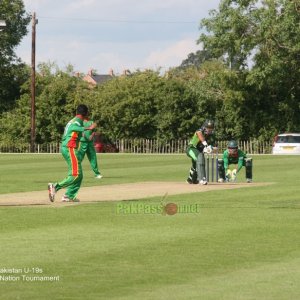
[234, 156]
[201, 142]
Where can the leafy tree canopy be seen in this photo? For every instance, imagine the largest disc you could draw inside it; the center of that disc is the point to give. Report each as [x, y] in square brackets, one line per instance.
[260, 40]
[13, 72]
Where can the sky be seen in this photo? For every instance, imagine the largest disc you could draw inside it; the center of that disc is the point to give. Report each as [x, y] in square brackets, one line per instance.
[115, 34]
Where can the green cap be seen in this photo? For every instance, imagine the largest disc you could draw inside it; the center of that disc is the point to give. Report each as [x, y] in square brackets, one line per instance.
[232, 144]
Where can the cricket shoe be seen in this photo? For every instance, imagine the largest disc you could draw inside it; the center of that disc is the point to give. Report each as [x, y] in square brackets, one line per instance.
[220, 180]
[99, 176]
[203, 181]
[248, 180]
[190, 181]
[52, 191]
[65, 198]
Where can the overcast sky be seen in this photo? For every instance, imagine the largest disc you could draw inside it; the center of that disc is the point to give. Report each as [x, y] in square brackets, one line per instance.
[117, 34]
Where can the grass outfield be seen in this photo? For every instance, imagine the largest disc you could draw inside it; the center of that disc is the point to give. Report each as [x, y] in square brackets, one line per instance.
[242, 244]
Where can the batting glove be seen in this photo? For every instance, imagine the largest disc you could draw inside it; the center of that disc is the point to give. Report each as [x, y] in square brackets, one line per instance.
[207, 149]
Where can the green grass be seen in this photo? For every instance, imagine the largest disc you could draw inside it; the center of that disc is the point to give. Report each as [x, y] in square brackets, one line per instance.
[243, 244]
[19, 173]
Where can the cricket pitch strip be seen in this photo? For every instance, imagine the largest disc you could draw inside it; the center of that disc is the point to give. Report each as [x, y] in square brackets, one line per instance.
[119, 192]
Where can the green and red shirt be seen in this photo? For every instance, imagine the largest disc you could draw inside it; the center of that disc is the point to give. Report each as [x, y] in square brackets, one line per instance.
[73, 132]
[231, 159]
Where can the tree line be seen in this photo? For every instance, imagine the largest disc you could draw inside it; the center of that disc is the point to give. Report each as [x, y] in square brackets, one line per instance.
[246, 78]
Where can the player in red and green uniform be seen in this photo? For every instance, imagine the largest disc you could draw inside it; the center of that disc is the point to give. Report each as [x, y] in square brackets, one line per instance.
[69, 150]
[201, 142]
[234, 156]
[87, 147]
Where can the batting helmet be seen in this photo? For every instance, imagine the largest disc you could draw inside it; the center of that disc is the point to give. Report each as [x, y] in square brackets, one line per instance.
[209, 124]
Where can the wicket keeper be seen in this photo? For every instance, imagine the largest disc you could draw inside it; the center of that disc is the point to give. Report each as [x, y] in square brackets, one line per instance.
[201, 142]
[234, 156]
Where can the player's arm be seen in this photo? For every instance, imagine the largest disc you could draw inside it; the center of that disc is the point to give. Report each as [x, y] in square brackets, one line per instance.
[90, 131]
[77, 127]
[201, 138]
[225, 160]
[91, 127]
[242, 155]
[92, 136]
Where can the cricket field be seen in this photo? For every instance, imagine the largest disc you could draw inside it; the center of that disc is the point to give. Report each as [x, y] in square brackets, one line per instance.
[141, 232]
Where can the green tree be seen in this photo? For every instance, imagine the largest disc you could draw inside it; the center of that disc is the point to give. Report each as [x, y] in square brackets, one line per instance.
[13, 72]
[275, 76]
[196, 59]
[57, 95]
[200, 96]
[147, 105]
[125, 106]
[266, 36]
[216, 93]
[231, 32]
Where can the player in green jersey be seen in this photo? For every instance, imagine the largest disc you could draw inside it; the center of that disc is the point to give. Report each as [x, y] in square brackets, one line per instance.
[87, 147]
[69, 150]
[202, 141]
[234, 156]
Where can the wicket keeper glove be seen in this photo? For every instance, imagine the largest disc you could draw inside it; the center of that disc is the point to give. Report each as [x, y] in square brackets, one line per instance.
[233, 175]
[228, 175]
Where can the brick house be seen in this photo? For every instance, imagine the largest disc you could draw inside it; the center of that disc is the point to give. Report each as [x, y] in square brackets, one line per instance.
[95, 79]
